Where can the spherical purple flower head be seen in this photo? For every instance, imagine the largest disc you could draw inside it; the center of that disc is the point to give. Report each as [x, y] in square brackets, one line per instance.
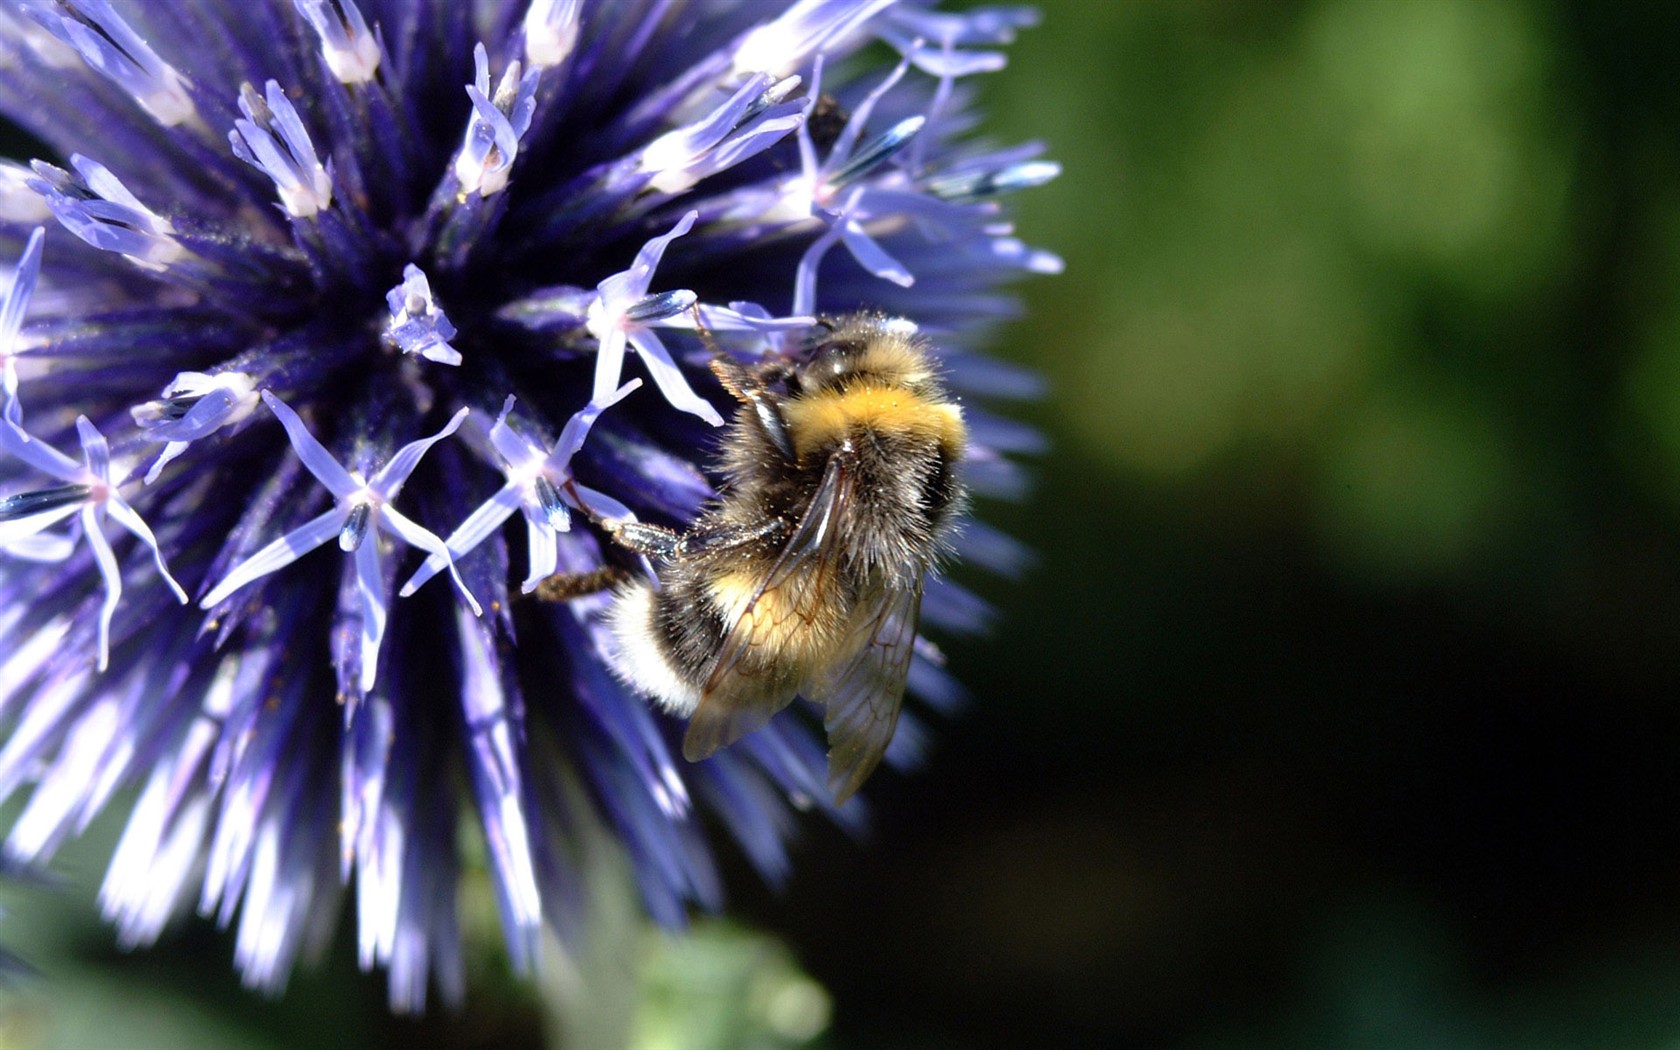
[323, 283]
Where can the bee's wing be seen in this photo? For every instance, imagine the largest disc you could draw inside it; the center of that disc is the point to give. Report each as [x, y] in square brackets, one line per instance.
[743, 692]
[862, 694]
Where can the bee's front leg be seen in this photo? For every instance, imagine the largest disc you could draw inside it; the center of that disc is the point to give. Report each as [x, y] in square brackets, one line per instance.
[748, 387]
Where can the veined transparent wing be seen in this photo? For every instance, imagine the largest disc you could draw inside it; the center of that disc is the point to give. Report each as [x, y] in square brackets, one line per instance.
[862, 694]
[748, 684]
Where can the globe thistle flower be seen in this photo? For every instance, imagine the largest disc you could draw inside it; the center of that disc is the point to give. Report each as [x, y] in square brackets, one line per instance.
[388, 273]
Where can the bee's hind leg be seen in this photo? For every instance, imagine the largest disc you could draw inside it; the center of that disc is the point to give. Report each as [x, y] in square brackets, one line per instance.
[565, 586]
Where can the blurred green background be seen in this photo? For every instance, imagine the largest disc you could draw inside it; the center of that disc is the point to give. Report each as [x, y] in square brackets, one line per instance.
[1340, 708]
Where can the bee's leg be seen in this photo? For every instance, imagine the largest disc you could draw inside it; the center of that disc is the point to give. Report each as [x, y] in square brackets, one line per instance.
[748, 388]
[564, 586]
[706, 336]
[767, 370]
[727, 536]
[655, 541]
[660, 542]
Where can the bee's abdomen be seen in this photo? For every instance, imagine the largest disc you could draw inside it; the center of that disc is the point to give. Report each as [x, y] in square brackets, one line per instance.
[941, 494]
[667, 639]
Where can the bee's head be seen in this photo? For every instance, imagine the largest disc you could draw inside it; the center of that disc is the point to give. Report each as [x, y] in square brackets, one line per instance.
[864, 348]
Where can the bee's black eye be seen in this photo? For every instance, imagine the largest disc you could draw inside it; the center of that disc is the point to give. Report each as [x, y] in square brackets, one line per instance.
[842, 356]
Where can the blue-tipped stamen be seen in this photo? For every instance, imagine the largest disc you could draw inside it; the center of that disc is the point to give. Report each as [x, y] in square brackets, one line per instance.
[877, 151]
[41, 501]
[548, 498]
[978, 186]
[354, 530]
[661, 306]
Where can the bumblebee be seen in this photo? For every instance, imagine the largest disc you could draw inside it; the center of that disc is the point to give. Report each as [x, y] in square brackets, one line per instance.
[839, 492]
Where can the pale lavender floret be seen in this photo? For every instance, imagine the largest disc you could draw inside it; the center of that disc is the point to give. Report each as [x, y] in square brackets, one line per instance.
[551, 31]
[841, 167]
[538, 484]
[851, 191]
[623, 313]
[830, 189]
[349, 48]
[105, 214]
[110, 45]
[498, 123]
[757, 116]
[360, 506]
[869, 254]
[781, 45]
[12, 309]
[816, 189]
[192, 406]
[418, 325]
[90, 494]
[304, 184]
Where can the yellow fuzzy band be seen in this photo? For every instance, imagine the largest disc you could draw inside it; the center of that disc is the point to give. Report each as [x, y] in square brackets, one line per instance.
[824, 419]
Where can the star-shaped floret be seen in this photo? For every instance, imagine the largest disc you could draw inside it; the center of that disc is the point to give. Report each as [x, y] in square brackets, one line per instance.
[845, 189]
[623, 313]
[757, 116]
[88, 492]
[540, 484]
[360, 506]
